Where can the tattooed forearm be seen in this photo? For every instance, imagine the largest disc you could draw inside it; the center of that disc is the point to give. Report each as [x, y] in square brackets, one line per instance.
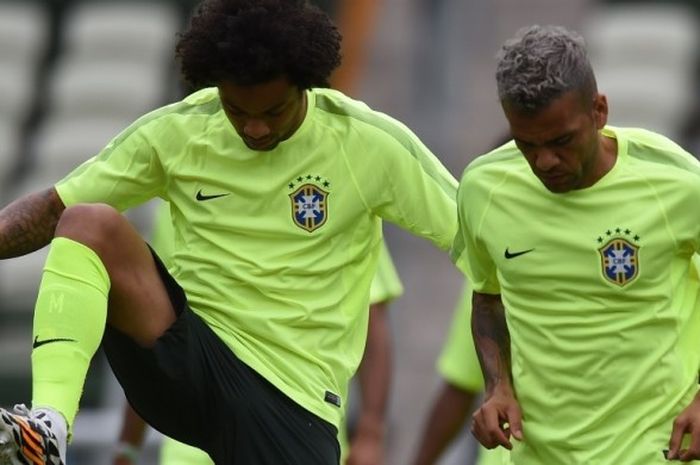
[29, 223]
[491, 338]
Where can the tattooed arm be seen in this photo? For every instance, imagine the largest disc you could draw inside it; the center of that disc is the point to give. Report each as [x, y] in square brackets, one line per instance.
[492, 339]
[29, 223]
[499, 415]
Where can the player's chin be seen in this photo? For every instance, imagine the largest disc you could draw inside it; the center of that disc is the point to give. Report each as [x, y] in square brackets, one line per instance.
[557, 184]
[263, 145]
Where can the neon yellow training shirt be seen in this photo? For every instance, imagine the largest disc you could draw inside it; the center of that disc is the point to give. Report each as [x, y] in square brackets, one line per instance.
[386, 286]
[276, 250]
[163, 234]
[458, 363]
[601, 296]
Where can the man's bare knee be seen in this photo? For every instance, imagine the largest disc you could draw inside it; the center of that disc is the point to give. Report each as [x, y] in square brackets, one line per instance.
[90, 224]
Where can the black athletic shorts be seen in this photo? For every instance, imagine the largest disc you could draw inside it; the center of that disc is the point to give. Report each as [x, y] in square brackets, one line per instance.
[192, 387]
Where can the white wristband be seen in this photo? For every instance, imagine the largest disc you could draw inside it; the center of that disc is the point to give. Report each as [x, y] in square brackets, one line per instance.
[127, 451]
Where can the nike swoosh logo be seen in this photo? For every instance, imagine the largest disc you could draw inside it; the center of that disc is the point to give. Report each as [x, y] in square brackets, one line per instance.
[38, 343]
[201, 197]
[510, 255]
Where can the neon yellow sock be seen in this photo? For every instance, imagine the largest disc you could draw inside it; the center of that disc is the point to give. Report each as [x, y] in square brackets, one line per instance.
[69, 321]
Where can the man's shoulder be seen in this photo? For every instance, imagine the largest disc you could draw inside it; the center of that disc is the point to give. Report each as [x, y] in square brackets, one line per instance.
[364, 125]
[645, 138]
[336, 102]
[202, 96]
[180, 114]
[497, 162]
[204, 101]
[357, 114]
[655, 150]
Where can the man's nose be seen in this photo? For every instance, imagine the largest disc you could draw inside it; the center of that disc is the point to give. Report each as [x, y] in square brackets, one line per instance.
[256, 129]
[545, 159]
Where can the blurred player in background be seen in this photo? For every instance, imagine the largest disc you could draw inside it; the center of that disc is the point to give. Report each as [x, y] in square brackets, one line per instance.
[462, 384]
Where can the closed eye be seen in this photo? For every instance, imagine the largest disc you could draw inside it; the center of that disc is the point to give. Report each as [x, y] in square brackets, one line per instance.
[561, 141]
[522, 145]
[234, 111]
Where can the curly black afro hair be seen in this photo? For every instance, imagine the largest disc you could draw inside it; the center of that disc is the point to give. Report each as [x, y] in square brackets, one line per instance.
[255, 41]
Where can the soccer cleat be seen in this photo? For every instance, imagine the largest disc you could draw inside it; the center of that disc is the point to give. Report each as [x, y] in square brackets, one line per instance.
[26, 438]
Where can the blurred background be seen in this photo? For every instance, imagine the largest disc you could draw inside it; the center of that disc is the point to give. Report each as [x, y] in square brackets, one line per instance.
[74, 73]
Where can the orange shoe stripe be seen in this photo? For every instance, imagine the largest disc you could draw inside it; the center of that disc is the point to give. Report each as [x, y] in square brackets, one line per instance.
[36, 460]
[28, 429]
[30, 443]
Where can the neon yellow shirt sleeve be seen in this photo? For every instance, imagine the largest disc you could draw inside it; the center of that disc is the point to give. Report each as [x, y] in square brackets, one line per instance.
[386, 285]
[458, 363]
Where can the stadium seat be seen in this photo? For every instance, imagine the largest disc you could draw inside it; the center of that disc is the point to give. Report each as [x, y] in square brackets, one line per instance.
[111, 69]
[651, 98]
[8, 146]
[22, 44]
[122, 31]
[16, 88]
[663, 34]
[109, 89]
[644, 56]
[22, 32]
[62, 144]
[19, 280]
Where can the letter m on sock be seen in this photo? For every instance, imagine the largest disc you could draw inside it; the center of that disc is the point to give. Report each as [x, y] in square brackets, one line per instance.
[56, 302]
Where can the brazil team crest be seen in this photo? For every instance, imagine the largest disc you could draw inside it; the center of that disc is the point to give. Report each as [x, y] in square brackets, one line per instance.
[619, 259]
[309, 206]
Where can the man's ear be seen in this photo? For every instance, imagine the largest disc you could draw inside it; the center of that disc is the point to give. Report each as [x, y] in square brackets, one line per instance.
[600, 110]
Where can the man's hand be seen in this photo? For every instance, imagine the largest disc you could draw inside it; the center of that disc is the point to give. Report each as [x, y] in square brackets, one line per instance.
[497, 418]
[688, 422]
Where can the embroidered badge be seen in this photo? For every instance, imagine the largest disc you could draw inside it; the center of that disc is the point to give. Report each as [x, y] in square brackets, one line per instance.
[309, 203]
[619, 256]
